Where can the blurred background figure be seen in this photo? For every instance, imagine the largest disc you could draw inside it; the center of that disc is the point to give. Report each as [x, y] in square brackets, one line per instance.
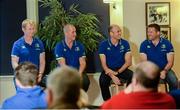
[63, 88]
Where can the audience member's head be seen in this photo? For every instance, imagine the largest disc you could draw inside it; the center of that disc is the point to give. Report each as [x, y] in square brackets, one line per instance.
[28, 94]
[146, 76]
[26, 74]
[63, 87]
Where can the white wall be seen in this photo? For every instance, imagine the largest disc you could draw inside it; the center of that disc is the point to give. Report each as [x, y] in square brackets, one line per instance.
[135, 30]
[6, 87]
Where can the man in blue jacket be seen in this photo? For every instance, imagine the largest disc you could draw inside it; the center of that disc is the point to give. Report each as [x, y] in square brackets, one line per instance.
[28, 94]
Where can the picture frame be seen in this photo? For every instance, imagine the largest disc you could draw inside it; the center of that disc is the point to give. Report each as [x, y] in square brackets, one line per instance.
[158, 12]
[166, 33]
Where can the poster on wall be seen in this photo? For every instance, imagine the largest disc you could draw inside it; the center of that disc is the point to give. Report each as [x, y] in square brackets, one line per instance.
[158, 12]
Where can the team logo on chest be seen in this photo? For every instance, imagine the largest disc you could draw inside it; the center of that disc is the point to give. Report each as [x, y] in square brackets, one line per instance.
[65, 50]
[108, 48]
[163, 46]
[77, 49]
[122, 47]
[37, 46]
[148, 46]
[23, 47]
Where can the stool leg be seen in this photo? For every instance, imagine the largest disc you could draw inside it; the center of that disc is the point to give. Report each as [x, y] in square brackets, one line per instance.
[117, 89]
[166, 86]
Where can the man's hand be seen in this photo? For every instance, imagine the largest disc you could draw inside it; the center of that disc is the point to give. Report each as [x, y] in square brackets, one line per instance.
[40, 77]
[110, 72]
[116, 80]
[163, 74]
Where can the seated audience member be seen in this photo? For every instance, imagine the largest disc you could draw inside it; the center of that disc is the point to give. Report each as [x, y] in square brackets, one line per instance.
[176, 96]
[142, 92]
[63, 88]
[28, 94]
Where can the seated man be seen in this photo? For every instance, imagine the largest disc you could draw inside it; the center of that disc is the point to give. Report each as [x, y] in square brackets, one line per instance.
[63, 88]
[115, 56]
[71, 52]
[161, 52]
[142, 92]
[28, 94]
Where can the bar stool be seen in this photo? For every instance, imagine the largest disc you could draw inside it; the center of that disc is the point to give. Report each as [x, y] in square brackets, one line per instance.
[163, 86]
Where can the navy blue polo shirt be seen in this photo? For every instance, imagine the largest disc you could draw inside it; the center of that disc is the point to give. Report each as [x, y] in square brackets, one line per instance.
[72, 55]
[115, 55]
[27, 52]
[158, 53]
[27, 98]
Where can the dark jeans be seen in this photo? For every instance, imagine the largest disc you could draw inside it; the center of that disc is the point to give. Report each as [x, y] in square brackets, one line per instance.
[105, 82]
[172, 80]
[85, 82]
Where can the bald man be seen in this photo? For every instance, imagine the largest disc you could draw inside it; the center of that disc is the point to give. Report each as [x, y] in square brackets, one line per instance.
[71, 53]
[115, 56]
[142, 92]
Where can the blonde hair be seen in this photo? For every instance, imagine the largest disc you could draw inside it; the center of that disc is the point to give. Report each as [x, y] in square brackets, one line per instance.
[28, 21]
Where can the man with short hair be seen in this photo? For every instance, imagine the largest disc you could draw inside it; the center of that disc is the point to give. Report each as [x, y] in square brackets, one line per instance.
[63, 88]
[71, 53]
[142, 92]
[28, 94]
[29, 48]
[115, 56]
[161, 52]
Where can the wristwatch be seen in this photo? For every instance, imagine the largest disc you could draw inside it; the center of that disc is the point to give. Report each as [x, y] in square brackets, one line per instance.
[165, 70]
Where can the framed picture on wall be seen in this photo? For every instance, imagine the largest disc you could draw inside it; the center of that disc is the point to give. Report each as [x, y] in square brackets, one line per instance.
[158, 12]
[166, 33]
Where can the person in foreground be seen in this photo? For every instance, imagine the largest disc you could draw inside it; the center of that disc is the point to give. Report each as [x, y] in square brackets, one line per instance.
[28, 94]
[142, 92]
[64, 89]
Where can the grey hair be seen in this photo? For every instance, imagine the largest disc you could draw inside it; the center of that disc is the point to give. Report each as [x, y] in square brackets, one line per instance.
[66, 27]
